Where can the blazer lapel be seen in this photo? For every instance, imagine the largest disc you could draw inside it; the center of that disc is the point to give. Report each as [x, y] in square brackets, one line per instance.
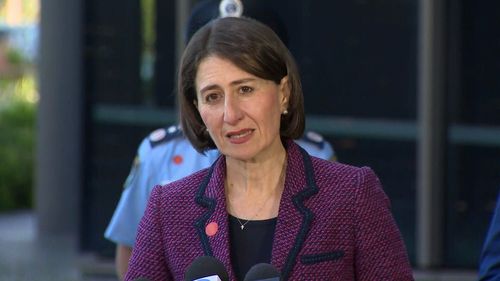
[211, 196]
[294, 218]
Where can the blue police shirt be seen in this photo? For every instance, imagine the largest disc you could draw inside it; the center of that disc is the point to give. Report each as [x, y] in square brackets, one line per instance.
[165, 156]
[489, 263]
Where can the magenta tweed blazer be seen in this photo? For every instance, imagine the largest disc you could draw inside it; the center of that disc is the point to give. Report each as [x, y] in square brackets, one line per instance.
[334, 223]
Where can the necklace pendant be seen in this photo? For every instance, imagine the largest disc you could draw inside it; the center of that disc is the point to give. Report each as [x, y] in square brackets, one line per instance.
[242, 227]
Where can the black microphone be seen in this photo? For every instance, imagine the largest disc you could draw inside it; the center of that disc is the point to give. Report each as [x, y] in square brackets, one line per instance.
[263, 272]
[206, 268]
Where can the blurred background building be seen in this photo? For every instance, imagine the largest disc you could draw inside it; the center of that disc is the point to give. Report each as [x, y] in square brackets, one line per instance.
[409, 88]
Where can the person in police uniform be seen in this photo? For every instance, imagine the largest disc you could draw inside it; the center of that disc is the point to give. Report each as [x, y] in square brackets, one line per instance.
[166, 155]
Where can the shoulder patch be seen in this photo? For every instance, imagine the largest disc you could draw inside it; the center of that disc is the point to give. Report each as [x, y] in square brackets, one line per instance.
[314, 138]
[133, 172]
[164, 134]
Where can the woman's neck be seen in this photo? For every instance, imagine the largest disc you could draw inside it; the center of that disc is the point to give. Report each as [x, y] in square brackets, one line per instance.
[255, 186]
[255, 174]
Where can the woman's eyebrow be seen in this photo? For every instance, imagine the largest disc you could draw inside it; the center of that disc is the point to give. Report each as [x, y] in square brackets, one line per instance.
[241, 81]
[233, 83]
[209, 87]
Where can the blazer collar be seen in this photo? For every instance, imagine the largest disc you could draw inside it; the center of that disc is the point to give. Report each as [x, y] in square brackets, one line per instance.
[294, 218]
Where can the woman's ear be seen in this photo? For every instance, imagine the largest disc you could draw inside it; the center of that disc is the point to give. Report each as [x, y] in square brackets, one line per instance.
[284, 92]
[195, 102]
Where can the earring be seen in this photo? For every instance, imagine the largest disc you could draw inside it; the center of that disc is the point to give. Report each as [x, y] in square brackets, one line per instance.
[285, 112]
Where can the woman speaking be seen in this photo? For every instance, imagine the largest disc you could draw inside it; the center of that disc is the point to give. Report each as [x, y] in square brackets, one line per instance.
[264, 200]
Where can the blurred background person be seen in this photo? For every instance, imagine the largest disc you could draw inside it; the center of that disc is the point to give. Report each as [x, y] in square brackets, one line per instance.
[489, 263]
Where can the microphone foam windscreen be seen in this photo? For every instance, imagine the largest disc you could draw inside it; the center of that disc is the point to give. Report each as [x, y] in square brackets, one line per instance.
[262, 271]
[206, 266]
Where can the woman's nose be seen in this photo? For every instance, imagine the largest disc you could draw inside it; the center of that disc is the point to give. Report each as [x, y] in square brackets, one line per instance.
[232, 111]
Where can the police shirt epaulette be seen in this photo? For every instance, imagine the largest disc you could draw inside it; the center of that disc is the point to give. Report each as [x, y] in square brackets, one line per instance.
[162, 135]
[314, 138]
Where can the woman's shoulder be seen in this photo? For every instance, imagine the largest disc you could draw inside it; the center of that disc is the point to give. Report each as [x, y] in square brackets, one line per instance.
[184, 187]
[336, 172]
[334, 167]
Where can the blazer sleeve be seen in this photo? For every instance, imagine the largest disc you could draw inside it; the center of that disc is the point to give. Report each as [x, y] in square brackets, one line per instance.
[380, 251]
[148, 256]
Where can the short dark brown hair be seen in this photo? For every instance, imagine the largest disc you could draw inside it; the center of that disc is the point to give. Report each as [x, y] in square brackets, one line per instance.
[254, 48]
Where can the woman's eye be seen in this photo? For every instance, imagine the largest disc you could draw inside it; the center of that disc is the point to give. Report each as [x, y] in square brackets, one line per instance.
[246, 89]
[212, 97]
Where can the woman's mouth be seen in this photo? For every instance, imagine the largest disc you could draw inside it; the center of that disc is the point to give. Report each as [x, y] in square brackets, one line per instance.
[239, 136]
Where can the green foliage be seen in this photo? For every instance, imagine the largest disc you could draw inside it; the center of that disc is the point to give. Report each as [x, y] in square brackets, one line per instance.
[148, 24]
[15, 57]
[17, 134]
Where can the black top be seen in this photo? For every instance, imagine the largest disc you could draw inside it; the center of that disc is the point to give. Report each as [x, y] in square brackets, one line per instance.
[250, 245]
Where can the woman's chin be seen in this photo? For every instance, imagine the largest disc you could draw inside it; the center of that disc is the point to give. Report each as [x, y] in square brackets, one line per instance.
[239, 154]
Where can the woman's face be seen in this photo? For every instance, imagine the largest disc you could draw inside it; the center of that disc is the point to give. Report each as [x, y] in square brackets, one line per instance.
[241, 111]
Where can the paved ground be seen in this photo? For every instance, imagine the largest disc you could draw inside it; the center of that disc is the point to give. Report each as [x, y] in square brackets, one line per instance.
[24, 258]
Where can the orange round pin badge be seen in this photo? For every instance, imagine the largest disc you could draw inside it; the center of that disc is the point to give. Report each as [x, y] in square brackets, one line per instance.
[211, 228]
[177, 159]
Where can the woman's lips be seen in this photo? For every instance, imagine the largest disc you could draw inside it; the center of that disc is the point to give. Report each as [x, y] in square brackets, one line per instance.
[240, 136]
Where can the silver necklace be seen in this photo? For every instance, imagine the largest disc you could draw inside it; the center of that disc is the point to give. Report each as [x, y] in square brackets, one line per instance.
[280, 181]
[242, 225]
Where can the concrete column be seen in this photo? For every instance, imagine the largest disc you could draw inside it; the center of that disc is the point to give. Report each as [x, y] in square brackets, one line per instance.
[182, 10]
[432, 132]
[60, 119]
